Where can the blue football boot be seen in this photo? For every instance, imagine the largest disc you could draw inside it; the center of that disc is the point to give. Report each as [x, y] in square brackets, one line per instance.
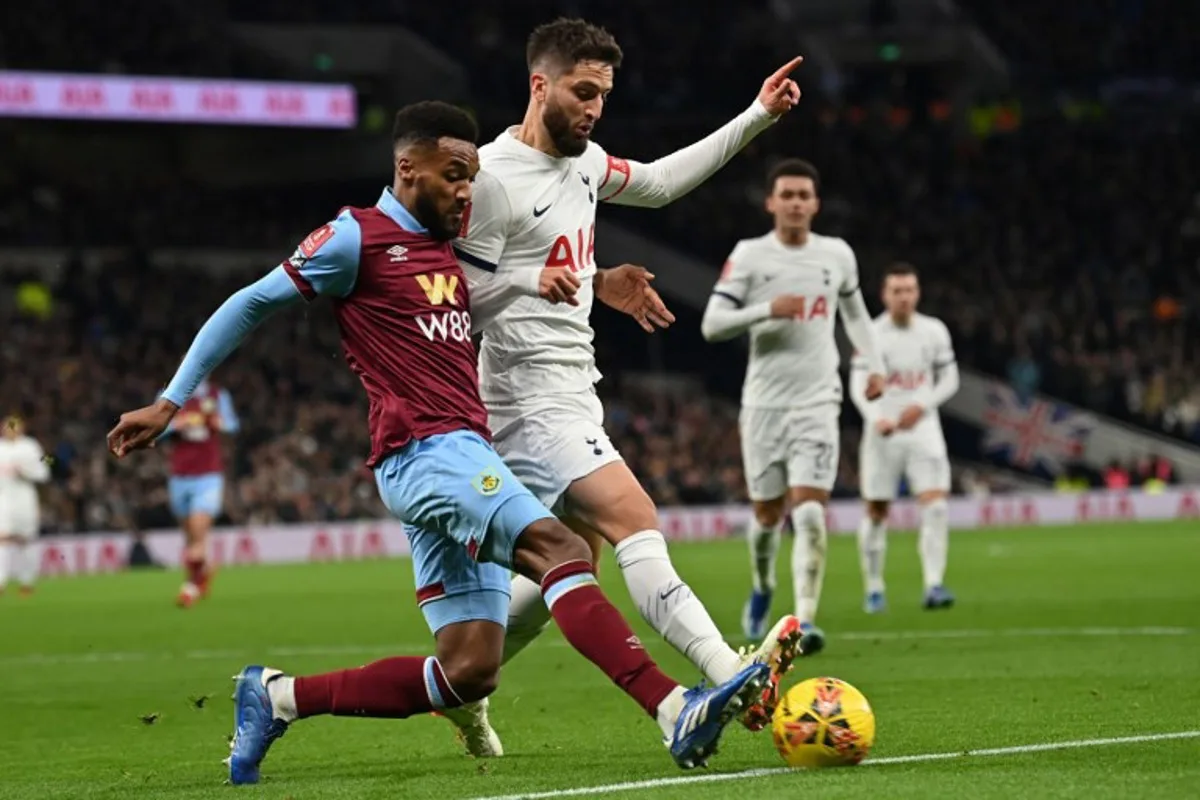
[754, 614]
[938, 597]
[875, 603]
[255, 726]
[812, 639]
[706, 712]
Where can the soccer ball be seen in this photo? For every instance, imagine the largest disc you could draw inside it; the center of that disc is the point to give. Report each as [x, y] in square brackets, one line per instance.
[823, 722]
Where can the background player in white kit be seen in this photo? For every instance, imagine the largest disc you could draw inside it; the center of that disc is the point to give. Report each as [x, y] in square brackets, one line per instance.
[22, 466]
[534, 206]
[785, 288]
[902, 435]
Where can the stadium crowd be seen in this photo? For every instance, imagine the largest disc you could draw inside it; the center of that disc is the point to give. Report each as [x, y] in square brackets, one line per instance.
[1065, 254]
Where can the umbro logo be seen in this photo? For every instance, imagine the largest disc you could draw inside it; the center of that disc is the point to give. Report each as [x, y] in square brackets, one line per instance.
[398, 253]
[537, 212]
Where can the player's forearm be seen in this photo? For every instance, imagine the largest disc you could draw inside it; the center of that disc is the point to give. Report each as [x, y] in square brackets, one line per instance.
[226, 329]
[860, 331]
[667, 179]
[36, 471]
[945, 386]
[492, 294]
[722, 321]
[858, 394]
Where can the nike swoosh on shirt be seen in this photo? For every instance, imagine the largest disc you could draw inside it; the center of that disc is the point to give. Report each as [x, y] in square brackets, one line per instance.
[538, 212]
[669, 592]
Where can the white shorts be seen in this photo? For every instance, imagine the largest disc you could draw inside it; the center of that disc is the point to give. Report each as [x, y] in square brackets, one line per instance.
[549, 442]
[19, 519]
[918, 455]
[782, 448]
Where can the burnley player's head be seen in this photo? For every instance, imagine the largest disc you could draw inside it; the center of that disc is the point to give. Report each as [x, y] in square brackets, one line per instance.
[436, 160]
[571, 65]
[793, 196]
[901, 291]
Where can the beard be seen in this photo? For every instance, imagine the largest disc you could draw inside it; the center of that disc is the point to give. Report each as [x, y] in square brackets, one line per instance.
[558, 126]
[426, 213]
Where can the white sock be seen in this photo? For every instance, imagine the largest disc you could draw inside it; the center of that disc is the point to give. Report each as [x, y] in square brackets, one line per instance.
[808, 557]
[528, 616]
[6, 551]
[667, 603]
[668, 712]
[25, 564]
[935, 542]
[764, 547]
[282, 691]
[872, 549]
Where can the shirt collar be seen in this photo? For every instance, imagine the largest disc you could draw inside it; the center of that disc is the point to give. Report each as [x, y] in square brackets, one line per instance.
[389, 205]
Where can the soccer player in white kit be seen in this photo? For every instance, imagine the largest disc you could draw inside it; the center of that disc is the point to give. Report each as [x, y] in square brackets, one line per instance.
[785, 288]
[902, 436]
[22, 466]
[534, 206]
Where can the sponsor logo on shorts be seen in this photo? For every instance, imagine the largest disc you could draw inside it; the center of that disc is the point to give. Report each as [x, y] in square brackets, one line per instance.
[487, 483]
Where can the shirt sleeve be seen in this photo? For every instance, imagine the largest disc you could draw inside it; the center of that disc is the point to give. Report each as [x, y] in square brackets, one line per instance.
[484, 231]
[856, 319]
[32, 465]
[727, 315]
[945, 367]
[229, 421]
[326, 261]
[665, 180]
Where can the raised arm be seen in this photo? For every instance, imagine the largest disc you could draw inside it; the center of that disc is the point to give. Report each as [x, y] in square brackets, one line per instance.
[665, 180]
[326, 262]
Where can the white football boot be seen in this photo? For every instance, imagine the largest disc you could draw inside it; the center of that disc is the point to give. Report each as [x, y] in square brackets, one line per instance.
[473, 729]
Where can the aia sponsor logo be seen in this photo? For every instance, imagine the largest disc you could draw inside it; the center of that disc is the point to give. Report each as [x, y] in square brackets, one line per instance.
[83, 97]
[152, 98]
[285, 104]
[16, 94]
[220, 101]
[907, 380]
[574, 253]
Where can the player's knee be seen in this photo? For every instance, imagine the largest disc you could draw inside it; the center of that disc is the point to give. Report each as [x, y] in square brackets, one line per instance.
[809, 516]
[877, 510]
[935, 510]
[768, 513]
[472, 678]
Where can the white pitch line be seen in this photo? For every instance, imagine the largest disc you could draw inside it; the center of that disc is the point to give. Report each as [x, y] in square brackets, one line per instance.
[296, 651]
[659, 783]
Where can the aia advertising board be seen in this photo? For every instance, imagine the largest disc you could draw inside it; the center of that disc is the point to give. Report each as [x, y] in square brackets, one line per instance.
[184, 100]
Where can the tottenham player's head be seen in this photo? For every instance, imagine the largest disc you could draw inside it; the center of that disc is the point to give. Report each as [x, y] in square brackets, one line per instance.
[13, 427]
[901, 291]
[436, 160]
[571, 65]
[793, 198]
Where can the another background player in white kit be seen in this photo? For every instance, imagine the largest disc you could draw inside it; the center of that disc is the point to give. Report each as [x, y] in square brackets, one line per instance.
[785, 288]
[22, 466]
[534, 206]
[902, 435]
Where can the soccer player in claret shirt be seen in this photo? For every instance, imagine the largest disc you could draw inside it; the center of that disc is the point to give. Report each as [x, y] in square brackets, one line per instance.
[534, 207]
[197, 482]
[406, 318]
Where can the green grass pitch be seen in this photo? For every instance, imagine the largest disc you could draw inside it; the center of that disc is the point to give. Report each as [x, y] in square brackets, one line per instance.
[1060, 634]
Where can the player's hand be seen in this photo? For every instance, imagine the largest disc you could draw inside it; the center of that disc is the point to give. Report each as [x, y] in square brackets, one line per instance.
[558, 285]
[627, 289]
[779, 93]
[787, 306]
[910, 417]
[885, 427]
[140, 429]
[876, 383]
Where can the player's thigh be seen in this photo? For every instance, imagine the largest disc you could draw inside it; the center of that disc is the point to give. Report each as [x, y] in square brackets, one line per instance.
[593, 537]
[879, 468]
[18, 522]
[456, 486]
[611, 502]
[551, 443]
[927, 468]
[813, 450]
[764, 455]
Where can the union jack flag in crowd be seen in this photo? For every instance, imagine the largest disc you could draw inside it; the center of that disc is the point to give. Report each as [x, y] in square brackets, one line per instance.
[1032, 432]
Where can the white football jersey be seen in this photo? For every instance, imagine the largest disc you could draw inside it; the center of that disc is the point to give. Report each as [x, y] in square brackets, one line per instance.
[912, 355]
[529, 211]
[793, 362]
[22, 464]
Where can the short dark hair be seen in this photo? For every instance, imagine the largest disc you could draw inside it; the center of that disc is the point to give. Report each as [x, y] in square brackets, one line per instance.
[899, 268]
[430, 120]
[793, 167]
[566, 42]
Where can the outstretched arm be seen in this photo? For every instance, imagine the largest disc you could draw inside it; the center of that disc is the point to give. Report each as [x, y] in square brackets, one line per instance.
[665, 180]
[725, 318]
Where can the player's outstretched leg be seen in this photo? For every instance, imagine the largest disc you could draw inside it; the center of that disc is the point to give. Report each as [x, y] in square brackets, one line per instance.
[935, 546]
[692, 721]
[872, 552]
